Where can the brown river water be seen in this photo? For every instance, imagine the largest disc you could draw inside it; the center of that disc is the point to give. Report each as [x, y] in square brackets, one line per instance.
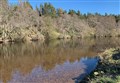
[57, 61]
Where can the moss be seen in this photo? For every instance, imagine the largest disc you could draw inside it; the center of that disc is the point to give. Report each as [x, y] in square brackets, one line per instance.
[108, 70]
[104, 80]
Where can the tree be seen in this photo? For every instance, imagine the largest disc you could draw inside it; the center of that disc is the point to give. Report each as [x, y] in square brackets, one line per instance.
[41, 10]
[85, 15]
[72, 12]
[65, 11]
[4, 11]
[3, 4]
[117, 17]
[28, 5]
[98, 14]
[78, 13]
[48, 9]
[60, 12]
[38, 10]
[89, 14]
[106, 14]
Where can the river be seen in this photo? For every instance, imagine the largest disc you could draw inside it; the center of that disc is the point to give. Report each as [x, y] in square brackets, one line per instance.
[56, 61]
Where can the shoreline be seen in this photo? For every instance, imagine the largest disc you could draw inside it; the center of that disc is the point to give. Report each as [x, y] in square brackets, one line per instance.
[107, 70]
[43, 38]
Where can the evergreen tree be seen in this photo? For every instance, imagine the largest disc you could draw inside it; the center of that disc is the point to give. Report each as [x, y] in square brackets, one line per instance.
[117, 17]
[28, 5]
[72, 12]
[49, 10]
[106, 14]
[78, 13]
[65, 11]
[41, 10]
[98, 14]
[38, 10]
[60, 12]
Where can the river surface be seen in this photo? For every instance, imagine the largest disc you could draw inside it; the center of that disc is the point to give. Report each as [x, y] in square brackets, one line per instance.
[57, 61]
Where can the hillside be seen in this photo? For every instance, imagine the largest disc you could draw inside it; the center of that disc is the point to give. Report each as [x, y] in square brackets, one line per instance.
[23, 23]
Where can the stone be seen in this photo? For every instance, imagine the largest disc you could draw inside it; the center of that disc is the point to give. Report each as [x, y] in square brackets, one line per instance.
[96, 73]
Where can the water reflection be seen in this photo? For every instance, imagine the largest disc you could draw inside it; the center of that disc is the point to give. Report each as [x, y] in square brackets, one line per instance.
[48, 63]
[90, 64]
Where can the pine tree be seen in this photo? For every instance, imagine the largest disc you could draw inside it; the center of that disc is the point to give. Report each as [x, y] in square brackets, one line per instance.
[38, 10]
[49, 10]
[72, 12]
[60, 12]
[28, 5]
[78, 13]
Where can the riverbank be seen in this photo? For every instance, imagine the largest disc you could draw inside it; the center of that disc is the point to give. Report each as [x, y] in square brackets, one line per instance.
[21, 22]
[108, 69]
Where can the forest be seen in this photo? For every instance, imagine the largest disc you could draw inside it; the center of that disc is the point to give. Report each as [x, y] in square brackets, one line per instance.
[21, 22]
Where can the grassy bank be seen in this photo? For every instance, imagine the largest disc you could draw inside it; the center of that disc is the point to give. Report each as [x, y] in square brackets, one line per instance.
[108, 69]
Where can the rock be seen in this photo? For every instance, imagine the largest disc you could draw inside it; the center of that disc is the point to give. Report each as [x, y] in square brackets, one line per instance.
[102, 72]
[96, 73]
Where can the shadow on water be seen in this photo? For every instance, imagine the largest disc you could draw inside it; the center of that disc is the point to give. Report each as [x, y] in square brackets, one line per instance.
[51, 62]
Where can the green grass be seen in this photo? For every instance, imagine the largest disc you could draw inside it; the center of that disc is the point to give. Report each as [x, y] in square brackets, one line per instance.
[106, 79]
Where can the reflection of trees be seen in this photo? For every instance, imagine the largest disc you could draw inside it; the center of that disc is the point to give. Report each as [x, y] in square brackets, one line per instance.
[105, 43]
[24, 57]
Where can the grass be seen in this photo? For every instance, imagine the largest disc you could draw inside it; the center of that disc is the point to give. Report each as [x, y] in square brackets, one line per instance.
[108, 69]
[105, 79]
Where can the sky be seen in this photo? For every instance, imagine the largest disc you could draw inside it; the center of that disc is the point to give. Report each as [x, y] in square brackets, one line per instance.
[85, 6]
